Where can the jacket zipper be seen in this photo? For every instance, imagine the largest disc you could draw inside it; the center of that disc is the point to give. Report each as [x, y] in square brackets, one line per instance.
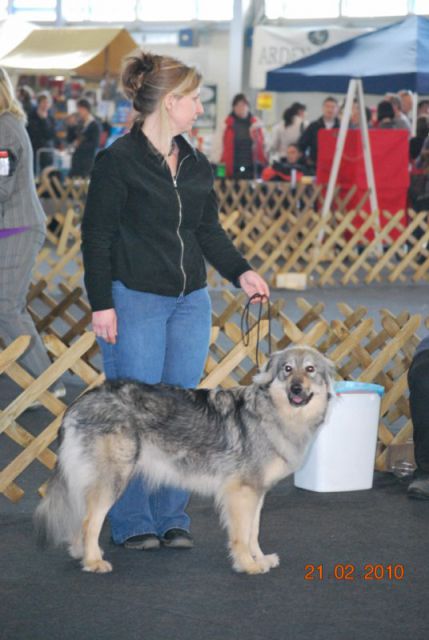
[182, 246]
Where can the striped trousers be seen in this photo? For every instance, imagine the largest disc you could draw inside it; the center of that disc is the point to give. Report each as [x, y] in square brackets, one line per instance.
[17, 257]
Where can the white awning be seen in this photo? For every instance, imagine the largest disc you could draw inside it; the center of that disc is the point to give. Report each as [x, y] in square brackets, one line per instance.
[13, 31]
[88, 51]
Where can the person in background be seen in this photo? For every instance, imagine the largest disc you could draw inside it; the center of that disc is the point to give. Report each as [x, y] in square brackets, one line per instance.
[418, 382]
[109, 87]
[400, 119]
[87, 141]
[288, 131]
[418, 192]
[71, 128]
[328, 120]
[293, 157]
[22, 231]
[284, 169]
[423, 108]
[150, 222]
[243, 141]
[355, 115]
[27, 99]
[422, 132]
[385, 115]
[41, 129]
[406, 98]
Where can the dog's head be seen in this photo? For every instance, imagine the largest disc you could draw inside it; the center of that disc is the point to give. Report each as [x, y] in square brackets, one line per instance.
[302, 371]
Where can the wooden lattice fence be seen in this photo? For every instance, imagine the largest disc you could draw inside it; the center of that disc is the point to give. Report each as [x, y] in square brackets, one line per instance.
[278, 228]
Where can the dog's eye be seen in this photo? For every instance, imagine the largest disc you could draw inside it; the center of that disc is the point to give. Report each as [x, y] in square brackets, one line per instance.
[309, 368]
[288, 368]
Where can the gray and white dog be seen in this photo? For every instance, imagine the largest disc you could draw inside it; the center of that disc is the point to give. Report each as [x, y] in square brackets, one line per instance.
[234, 444]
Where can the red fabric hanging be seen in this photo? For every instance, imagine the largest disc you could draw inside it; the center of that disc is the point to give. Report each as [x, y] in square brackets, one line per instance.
[389, 150]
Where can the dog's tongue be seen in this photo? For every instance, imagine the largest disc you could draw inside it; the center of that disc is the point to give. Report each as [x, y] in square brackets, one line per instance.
[297, 399]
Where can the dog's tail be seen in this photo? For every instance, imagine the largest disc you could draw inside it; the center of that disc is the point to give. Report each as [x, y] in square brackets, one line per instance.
[58, 518]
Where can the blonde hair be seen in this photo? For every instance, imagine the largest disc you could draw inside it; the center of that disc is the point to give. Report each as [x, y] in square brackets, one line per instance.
[148, 78]
[8, 101]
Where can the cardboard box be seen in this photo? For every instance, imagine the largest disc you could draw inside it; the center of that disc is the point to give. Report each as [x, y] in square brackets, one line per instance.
[291, 280]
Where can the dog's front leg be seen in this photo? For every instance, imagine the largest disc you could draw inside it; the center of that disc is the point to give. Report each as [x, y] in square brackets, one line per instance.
[271, 560]
[240, 504]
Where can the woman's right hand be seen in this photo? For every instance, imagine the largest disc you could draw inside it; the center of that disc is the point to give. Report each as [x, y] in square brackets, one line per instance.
[104, 324]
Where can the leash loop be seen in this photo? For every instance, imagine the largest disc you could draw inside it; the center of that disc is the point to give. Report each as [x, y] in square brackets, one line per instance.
[246, 329]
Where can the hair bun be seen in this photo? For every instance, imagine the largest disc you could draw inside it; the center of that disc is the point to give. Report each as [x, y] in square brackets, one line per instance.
[147, 63]
[135, 72]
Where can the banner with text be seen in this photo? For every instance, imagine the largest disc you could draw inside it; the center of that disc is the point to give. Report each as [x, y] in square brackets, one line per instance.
[274, 47]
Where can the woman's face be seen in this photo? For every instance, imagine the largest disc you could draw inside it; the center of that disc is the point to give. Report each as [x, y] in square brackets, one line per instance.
[183, 111]
[241, 109]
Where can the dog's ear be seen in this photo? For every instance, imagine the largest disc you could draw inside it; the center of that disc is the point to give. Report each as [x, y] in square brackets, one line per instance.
[330, 372]
[270, 369]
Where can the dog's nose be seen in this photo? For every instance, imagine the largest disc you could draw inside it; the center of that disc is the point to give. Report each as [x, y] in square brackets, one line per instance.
[296, 388]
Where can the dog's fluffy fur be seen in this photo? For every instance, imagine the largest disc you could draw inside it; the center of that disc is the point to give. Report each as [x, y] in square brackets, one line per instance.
[234, 444]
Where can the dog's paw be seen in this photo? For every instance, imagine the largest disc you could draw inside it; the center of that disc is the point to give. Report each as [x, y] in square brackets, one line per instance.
[97, 566]
[272, 560]
[251, 567]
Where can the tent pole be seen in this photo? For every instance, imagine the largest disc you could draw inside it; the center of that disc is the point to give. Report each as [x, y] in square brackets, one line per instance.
[414, 113]
[339, 147]
[369, 167]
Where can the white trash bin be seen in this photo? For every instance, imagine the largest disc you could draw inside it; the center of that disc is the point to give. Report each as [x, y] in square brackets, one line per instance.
[342, 456]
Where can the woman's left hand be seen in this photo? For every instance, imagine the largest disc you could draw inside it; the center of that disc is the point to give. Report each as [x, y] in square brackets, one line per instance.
[252, 283]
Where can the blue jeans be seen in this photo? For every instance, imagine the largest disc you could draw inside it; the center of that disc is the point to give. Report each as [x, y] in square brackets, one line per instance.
[160, 339]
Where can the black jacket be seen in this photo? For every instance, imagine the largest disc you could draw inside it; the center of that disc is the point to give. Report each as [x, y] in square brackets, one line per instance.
[308, 140]
[42, 136]
[83, 157]
[41, 131]
[149, 231]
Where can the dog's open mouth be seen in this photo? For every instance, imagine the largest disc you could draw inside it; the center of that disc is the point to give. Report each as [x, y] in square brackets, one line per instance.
[298, 400]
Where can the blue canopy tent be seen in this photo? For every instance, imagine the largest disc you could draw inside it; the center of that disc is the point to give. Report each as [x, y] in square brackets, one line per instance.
[389, 59]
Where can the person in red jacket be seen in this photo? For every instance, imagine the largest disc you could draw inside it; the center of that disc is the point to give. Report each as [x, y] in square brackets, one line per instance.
[243, 141]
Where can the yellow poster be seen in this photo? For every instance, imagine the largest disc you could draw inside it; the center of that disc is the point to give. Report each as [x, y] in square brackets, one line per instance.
[264, 101]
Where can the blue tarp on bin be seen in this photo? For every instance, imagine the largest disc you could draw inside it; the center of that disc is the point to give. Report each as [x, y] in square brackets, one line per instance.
[389, 59]
[354, 386]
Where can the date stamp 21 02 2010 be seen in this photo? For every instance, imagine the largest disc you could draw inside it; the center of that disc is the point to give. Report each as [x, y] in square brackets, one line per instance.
[348, 572]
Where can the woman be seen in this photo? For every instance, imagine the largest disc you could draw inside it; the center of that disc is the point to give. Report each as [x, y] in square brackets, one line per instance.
[289, 131]
[150, 220]
[243, 142]
[22, 230]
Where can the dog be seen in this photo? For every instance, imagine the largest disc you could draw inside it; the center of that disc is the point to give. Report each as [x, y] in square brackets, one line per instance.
[234, 444]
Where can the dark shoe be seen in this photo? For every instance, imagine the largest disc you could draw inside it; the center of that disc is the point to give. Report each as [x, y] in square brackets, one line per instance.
[177, 539]
[145, 542]
[419, 488]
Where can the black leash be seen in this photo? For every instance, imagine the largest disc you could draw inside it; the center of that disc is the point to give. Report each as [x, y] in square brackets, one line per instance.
[246, 329]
